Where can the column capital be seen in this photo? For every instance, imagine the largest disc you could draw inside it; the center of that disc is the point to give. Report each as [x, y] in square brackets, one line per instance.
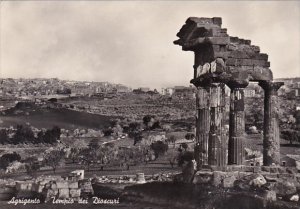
[237, 84]
[270, 85]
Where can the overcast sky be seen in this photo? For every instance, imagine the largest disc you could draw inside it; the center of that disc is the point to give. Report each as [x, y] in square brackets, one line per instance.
[131, 42]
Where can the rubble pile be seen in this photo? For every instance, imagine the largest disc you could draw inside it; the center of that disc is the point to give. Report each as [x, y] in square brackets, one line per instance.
[271, 182]
[54, 187]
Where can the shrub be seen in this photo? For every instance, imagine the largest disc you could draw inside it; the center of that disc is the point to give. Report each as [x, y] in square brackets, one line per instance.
[159, 148]
[185, 157]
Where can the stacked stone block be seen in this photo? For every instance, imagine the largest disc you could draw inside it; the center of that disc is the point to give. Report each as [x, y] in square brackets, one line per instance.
[62, 190]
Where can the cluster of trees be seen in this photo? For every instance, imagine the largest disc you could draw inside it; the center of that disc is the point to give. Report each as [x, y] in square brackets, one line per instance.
[126, 157]
[291, 135]
[189, 136]
[291, 131]
[132, 127]
[50, 136]
[54, 158]
[107, 154]
[64, 91]
[93, 154]
[8, 158]
[24, 134]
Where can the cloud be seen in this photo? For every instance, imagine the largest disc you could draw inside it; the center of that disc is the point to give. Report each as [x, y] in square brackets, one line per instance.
[132, 42]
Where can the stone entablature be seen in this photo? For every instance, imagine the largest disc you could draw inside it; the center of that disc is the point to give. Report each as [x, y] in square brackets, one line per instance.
[220, 57]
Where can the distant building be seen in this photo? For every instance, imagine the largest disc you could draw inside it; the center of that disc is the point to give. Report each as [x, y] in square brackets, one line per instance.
[167, 91]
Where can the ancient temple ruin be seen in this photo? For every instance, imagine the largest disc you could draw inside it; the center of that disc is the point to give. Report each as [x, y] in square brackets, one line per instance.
[222, 60]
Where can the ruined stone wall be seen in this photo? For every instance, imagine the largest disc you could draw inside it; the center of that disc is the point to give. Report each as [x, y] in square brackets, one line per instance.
[282, 182]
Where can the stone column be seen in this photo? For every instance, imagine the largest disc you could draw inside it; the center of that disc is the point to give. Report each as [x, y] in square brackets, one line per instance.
[224, 136]
[202, 125]
[216, 145]
[236, 124]
[271, 141]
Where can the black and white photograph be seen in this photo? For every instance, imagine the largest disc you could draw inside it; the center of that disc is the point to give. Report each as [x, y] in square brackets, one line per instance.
[155, 104]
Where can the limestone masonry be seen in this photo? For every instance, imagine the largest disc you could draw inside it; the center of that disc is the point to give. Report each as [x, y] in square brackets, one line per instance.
[222, 60]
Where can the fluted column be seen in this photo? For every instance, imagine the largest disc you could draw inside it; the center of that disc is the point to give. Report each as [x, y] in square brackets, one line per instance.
[202, 125]
[271, 141]
[216, 143]
[236, 124]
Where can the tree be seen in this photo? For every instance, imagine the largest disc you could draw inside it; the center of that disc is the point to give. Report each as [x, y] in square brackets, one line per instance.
[172, 139]
[94, 144]
[137, 137]
[148, 121]
[184, 146]
[31, 165]
[23, 135]
[8, 158]
[134, 127]
[117, 130]
[4, 136]
[92, 155]
[189, 136]
[291, 135]
[123, 157]
[87, 157]
[115, 122]
[51, 136]
[184, 157]
[54, 158]
[156, 124]
[108, 132]
[134, 131]
[56, 132]
[130, 156]
[159, 148]
[166, 128]
[172, 161]
[151, 122]
[74, 153]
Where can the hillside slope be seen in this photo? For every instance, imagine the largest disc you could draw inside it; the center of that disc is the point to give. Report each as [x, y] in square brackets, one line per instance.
[48, 117]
